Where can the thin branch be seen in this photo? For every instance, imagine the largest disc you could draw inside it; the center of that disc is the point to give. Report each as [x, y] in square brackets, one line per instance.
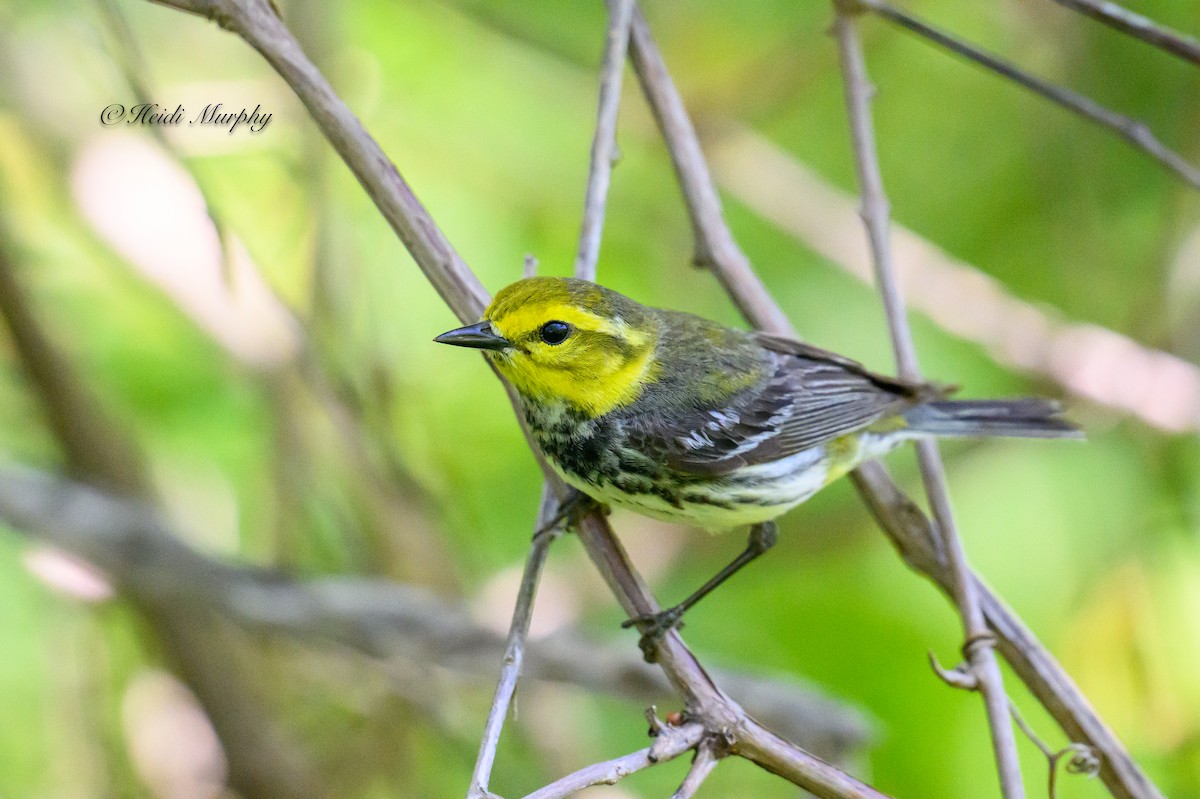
[716, 249]
[604, 150]
[979, 647]
[670, 744]
[514, 648]
[1139, 27]
[1083, 759]
[702, 765]
[904, 523]
[1132, 130]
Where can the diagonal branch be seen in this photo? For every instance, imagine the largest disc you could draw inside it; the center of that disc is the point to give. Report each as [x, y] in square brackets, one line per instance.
[978, 648]
[716, 249]
[1139, 27]
[514, 647]
[913, 536]
[1132, 130]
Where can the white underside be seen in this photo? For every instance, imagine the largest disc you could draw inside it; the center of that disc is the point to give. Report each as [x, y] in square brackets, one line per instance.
[759, 493]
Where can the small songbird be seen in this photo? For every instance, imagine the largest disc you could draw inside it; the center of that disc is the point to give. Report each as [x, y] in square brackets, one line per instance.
[682, 419]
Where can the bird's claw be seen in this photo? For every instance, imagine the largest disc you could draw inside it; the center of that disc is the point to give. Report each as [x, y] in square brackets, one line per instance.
[570, 511]
[654, 626]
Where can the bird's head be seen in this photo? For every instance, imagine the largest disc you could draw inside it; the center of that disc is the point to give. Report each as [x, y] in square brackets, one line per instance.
[567, 340]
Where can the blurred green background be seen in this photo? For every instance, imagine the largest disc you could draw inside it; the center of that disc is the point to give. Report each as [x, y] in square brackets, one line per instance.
[292, 410]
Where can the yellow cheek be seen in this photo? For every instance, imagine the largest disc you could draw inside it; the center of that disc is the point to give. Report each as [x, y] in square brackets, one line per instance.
[605, 385]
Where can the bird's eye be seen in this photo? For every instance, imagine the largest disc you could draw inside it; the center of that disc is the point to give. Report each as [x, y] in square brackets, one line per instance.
[555, 332]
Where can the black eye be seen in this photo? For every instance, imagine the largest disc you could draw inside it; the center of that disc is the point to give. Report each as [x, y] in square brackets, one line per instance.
[555, 332]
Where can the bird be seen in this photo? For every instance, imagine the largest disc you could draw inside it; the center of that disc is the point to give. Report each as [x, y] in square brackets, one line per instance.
[683, 419]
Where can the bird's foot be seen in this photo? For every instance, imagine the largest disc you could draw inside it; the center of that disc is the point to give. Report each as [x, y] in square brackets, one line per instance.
[570, 511]
[653, 627]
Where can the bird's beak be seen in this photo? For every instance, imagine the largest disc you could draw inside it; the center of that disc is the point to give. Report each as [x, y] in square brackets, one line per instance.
[479, 336]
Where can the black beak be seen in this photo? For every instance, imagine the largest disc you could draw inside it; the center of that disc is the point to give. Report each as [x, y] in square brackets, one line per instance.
[478, 336]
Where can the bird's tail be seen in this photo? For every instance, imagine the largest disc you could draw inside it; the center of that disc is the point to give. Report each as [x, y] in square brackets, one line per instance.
[1019, 418]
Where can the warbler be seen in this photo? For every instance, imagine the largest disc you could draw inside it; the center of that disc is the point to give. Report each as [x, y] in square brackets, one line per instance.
[680, 418]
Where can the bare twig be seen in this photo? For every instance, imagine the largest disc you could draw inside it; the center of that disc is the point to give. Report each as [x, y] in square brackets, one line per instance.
[1083, 759]
[514, 648]
[1139, 27]
[1132, 130]
[715, 247]
[670, 744]
[979, 647]
[604, 151]
[702, 765]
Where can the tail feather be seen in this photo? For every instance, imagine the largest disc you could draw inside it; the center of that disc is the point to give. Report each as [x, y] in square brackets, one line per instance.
[1020, 418]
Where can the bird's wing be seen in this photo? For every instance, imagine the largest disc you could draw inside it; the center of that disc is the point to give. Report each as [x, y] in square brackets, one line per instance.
[811, 396]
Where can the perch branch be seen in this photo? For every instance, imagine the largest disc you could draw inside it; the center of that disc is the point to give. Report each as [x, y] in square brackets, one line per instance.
[1132, 130]
[979, 646]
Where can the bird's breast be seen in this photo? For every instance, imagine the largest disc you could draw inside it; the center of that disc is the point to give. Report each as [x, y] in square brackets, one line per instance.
[577, 445]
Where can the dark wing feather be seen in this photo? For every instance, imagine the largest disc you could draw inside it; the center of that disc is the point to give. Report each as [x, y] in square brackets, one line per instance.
[811, 396]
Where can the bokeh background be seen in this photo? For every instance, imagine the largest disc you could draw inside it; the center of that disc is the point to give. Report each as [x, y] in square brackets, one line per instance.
[281, 390]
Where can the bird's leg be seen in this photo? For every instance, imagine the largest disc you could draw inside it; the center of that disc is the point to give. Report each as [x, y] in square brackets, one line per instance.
[655, 625]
